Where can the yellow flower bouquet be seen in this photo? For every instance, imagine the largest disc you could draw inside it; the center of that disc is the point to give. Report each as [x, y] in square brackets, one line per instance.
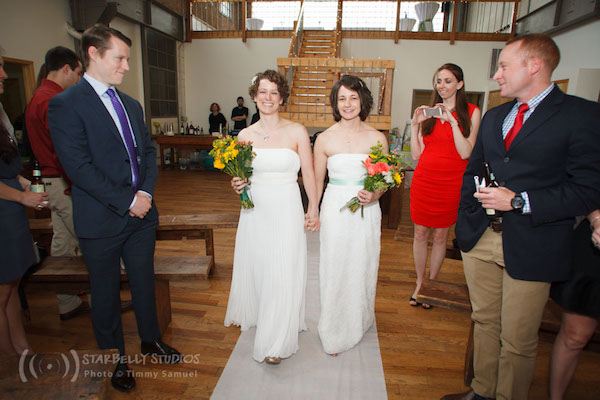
[235, 159]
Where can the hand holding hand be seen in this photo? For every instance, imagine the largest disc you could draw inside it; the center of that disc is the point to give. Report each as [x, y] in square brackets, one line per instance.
[238, 184]
[34, 200]
[596, 232]
[496, 198]
[143, 204]
[311, 220]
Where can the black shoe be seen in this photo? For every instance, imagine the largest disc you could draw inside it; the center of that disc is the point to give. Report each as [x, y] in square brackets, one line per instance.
[126, 305]
[166, 353]
[83, 308]
[122, 378]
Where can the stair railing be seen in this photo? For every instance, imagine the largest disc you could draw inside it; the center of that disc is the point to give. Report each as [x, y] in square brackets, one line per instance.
[296, 43]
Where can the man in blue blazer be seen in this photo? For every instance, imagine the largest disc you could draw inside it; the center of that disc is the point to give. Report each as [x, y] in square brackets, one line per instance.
[105, 148]
[544, 150]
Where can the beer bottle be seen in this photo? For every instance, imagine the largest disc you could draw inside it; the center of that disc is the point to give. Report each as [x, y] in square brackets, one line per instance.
[490, 181]
[37, 185]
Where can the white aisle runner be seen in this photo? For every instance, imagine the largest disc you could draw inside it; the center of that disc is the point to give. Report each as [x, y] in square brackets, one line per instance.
[310, 373]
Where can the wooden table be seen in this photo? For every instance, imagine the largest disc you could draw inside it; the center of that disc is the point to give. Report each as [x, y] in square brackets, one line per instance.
[203, 142]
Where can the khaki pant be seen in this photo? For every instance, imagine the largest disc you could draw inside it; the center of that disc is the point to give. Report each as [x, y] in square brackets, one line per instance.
[507, 314]
[64, 240]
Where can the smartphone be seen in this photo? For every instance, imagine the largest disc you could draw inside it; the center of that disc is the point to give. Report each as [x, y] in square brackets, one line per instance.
[432, 112]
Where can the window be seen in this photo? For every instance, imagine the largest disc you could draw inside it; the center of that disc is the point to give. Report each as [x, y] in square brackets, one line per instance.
[161, 78]
[225, 9]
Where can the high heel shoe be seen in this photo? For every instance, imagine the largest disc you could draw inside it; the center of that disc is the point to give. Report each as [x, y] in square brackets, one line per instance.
[272, 360]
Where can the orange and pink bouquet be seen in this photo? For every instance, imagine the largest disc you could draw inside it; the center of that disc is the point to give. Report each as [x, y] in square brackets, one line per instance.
[384, 171]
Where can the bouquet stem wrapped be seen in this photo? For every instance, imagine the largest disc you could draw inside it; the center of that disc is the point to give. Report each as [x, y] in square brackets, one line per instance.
[384, 171]
[235, 159]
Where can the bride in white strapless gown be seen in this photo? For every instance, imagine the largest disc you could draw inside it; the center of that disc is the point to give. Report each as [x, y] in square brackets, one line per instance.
[269, 266]
[350, 243]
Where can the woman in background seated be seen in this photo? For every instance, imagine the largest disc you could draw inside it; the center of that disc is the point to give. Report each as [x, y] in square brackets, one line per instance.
[15, 237]
[350, 242]
[580, 298]
[216, 120]
[442, 144]
[270, 260]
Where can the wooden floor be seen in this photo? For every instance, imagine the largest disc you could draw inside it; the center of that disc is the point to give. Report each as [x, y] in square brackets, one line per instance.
[422, 350]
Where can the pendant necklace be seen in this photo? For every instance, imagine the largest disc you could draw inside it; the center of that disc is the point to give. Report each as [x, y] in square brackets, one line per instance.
[267, 136]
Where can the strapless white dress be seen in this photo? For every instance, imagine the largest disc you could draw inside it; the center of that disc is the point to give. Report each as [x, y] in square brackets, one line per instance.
[349, 261]
[269, 267]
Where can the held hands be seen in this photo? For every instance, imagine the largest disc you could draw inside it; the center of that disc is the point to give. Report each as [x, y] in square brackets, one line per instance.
[311, 220]
[142, 205]
[446, 114]
[596, 232]
[238, 184]
[419, 115]
[496, 198]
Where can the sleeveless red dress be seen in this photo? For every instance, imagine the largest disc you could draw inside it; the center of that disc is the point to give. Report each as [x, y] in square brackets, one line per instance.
[436, 183]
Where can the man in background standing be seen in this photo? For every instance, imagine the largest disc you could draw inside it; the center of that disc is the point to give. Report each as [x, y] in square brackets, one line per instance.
[239, 114]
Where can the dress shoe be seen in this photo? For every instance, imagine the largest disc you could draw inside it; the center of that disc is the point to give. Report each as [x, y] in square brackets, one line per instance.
[122, 378]
[166, 353]
[272, 360]
[470, 395]
[83, 308]
[126, 305]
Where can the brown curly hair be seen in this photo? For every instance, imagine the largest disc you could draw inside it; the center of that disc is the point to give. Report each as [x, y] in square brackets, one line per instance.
[275, 77]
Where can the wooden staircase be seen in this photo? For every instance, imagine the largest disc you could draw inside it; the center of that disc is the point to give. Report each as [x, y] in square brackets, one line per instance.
[319, 44]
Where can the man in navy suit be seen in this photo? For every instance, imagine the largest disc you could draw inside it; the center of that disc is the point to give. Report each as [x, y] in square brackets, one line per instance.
[544, 150]
[104, 146]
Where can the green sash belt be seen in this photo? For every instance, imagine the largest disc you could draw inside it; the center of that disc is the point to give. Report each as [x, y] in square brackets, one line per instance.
[346, 182]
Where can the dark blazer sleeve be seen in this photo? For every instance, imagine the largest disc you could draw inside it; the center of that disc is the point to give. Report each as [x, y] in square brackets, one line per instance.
[70, 136]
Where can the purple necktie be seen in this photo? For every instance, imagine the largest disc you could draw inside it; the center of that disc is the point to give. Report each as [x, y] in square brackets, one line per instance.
[127, 136]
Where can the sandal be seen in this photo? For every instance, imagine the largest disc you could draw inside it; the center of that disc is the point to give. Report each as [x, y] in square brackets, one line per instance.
[272, 360]
[426, 306]
[413, 302]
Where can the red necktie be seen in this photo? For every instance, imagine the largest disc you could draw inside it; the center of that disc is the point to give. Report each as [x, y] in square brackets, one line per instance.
[510, 136]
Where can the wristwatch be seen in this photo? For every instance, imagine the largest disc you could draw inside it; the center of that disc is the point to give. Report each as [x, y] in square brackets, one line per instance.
[517, 203]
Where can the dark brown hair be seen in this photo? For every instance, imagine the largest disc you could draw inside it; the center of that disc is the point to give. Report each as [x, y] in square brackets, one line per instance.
[59, 56]
[272, 76]
[538, 45]
[462, 106]
[215, 104]
[358, 85]
[99, 36]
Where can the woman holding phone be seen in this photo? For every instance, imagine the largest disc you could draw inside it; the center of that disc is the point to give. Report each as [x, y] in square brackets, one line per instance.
[442, 138]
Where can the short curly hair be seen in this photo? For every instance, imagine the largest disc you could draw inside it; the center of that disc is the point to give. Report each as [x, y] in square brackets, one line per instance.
[358, 85]
[272, 76]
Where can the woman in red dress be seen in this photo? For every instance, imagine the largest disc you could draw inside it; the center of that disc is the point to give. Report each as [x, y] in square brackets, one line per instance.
[441, 144]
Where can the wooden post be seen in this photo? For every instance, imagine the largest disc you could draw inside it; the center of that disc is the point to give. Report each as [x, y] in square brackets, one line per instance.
[387, 91]
[338, 28]
[244, 21]
[455, 13]
[188, 30]
[514, 19]
[397, 33]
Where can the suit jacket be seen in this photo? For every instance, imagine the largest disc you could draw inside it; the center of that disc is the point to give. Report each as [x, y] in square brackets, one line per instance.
[555, 158]
[94, 157]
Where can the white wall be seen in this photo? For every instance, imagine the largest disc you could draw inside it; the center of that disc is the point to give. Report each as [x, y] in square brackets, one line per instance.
[133, 84]
[29, 28]
[220, 70]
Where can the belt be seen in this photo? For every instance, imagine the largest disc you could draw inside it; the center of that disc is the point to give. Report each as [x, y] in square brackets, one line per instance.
[346, 182]
[496, 226]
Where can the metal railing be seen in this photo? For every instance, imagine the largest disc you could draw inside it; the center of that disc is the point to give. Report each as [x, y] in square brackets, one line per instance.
[298, 34]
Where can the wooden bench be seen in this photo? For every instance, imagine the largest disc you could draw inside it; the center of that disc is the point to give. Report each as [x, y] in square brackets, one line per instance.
[456, 297]
[170, 227]
[70, 275]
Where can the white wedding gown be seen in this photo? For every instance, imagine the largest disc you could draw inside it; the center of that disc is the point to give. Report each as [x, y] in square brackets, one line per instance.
[269, 267]
[349, 262]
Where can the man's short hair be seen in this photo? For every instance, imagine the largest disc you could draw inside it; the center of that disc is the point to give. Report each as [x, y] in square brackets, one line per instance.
[539, 45]
[99, 36]
[59, 56]
[240, 98]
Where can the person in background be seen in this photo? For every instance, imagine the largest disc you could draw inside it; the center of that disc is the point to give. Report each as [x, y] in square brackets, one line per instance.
[442, 144]
[239, 114]
[544, 150]
[111, 162]
[63, 70]
[580, 299]
[216, 120]
[15, 238]
[255, 117]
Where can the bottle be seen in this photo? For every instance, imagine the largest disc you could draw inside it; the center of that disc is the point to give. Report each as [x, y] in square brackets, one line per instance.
[191, 129]
[182, 129]
[490, 181]
[175, 157]
[37, 185]
[201, 131]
